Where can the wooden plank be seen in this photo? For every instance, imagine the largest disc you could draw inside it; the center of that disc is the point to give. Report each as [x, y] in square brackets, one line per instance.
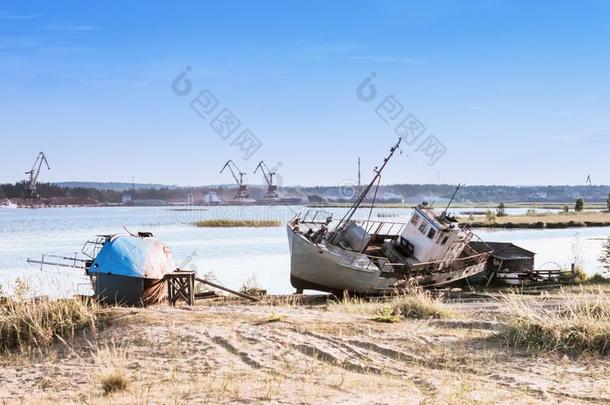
[211, 284]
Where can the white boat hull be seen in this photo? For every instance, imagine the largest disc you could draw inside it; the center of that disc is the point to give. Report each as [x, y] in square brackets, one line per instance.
[328, 268]
[320, 268]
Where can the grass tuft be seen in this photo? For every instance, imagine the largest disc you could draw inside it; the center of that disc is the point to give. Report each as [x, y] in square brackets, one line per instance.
[420, 305]
[231, 223]
[114, 381]
[385, 315]
[27, 324]
[272, 318]
[580, 326]
[414, 305]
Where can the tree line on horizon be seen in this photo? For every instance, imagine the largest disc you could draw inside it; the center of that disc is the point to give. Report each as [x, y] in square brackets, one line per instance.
[477, 193]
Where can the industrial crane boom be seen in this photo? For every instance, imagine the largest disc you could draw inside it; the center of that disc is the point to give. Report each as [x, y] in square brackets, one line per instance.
[231, 165]
[242, 189]
[35, 172]
[268, 175]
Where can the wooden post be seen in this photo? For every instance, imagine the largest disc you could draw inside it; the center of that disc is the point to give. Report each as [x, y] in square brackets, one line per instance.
[573, 270]
[192, 288]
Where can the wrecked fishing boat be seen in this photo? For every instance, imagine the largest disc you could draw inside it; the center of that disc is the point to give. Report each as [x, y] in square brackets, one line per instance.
[129, 269]
[375, 257]
[135, 270]
[124, 269]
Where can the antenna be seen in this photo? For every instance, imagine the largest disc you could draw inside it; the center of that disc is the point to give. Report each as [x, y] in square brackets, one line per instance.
[451, 201]
[589, 180]
[359, 177]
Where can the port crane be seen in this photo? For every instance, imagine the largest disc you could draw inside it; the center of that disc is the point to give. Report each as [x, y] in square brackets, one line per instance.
[35, 173]
[268, 175]
[242, 189]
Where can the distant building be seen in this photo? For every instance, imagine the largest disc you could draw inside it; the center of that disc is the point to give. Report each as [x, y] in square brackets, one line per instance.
[392, 198]
[126, 198]
[211, 198]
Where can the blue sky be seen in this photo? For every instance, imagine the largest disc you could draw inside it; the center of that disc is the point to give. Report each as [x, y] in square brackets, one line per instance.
[517, 92]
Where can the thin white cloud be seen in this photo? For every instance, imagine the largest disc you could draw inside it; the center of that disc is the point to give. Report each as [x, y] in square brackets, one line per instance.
[388, 59]
[71, 26]
[8, 15]
[321, 51]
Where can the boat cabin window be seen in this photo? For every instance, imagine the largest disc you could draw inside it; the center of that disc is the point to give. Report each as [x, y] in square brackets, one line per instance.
[431, 233]
[414, 219]
[423, 228]
[445, 240]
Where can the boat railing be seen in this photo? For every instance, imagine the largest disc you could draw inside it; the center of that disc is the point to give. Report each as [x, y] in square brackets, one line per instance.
[315, 216]
[92, 247]
[383, 263]
[461, 262]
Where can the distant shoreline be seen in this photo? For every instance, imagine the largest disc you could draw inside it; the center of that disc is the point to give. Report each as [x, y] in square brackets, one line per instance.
[539, 221]
[481, 205]
[181, 206]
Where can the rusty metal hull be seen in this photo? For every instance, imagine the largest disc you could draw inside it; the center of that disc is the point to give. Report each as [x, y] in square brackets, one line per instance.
[124, 290]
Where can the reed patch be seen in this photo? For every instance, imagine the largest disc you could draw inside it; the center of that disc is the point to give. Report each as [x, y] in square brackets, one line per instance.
[233, 223]
[581, 324]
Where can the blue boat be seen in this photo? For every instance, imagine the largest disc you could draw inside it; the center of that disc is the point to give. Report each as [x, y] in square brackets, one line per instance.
[129, 269]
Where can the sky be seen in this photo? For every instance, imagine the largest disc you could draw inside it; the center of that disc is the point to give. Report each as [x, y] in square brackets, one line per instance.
[492, 92]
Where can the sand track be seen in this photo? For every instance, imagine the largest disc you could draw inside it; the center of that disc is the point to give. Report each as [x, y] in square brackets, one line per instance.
[299, 355]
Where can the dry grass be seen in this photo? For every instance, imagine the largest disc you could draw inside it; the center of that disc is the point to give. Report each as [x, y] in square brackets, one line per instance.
[580, 325]
[114, 381]
[217, 355]
[415, 305]
[420, 305]
[231, 223]
[273, 317]
[27, 324]
[111, 361]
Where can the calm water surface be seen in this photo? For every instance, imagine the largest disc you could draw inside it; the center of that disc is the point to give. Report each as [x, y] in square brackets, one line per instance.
[233, 254]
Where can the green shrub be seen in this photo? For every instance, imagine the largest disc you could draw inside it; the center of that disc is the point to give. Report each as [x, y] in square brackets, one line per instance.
[385, 315]
[580, 275]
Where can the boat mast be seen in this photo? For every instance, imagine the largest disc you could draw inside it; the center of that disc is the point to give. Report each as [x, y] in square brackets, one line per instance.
[451, 201]
[350, 213]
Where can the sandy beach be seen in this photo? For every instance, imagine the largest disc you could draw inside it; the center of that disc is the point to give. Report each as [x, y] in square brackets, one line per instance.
[288, 353]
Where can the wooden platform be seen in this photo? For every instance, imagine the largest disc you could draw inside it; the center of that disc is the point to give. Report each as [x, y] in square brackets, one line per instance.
[181, 286]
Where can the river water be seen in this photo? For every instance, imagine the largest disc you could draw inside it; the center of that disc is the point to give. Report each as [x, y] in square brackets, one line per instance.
[233, 254]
